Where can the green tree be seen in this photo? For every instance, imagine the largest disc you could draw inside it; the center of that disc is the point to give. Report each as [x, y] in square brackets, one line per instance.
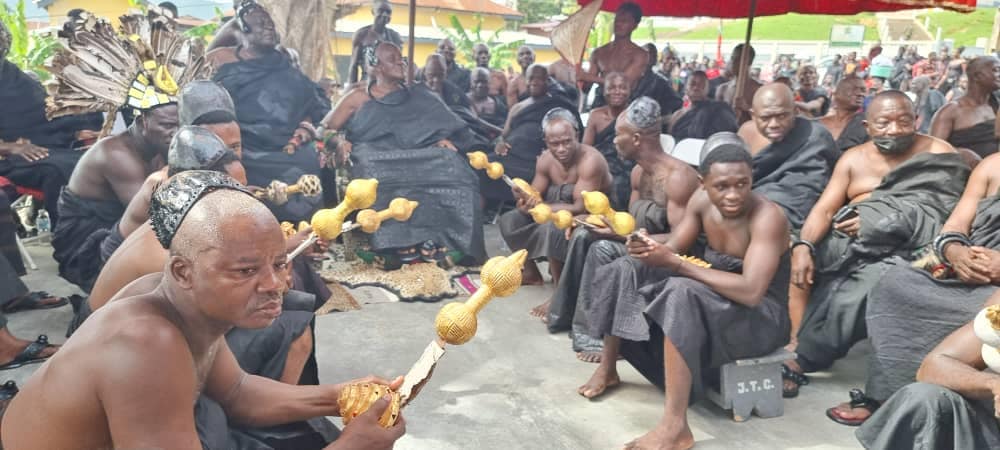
[502, 54]
[207, 31]
[28, 51]
[540, 10]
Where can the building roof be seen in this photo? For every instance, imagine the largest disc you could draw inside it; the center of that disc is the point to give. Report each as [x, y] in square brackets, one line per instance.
[484, 7]
[422, 34]
[44, 3]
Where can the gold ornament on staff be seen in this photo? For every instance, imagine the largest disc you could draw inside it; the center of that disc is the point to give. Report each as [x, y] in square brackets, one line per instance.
[542, 213]
[327, 224]
[479, 161]
[622, 223]
[456, 324]
[277, 192]
[987, 328]
[370, 220]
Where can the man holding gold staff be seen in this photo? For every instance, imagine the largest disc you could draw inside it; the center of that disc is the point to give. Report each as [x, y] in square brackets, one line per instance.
[162, 341]
[562, 174]
[706, 316]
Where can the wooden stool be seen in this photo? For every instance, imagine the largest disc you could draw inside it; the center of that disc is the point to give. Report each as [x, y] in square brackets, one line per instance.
[752, 385]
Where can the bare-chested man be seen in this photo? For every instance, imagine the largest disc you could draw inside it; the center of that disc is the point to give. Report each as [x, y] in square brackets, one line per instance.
[517, 89]
[661, 186]
[621, 54]
[488, 107]
[845, 120]
[498, 80]
[970, 121]
[600, 133]
[847, 236]
[162, 349]
[368, 36]
[103, 183]
[562, 173]
[695, 307]
[727, 91]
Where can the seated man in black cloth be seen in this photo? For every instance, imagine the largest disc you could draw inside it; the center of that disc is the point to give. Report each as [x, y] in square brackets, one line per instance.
[912, 309]
[703, 117]
[104, 182]
[522, 141]
[954, 404]
[35, 152]
[970, 121]
[706, 316]
[457, 99]
[886, 198]
[456, 74]
[408, 139]
[600, 134]
[846, 119]
[226, 270]
[497, 79]
[276, 105]
[661, 187]
[562, 173]
[810, 100]
[492, 109]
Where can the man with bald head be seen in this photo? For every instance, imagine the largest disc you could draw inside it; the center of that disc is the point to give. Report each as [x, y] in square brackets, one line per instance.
[886, 198]
[498, 80]
[226, 269]
[489, 107]
[970, 121]
[436, 80]
[661, 186]
[456, 73]
[845, 120]
[517, 89]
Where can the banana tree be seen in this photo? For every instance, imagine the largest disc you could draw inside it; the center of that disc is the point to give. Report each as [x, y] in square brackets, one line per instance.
[502, 54]
[28, 51]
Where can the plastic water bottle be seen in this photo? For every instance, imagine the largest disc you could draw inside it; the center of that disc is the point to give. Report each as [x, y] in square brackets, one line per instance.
[42, 222]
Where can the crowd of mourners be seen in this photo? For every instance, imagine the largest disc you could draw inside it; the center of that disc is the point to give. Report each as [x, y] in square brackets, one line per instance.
[827, 211]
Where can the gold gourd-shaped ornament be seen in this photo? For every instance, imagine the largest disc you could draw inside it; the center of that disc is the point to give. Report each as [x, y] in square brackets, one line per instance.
[277, 192]
[987, 328]
[479, 161]
[400, 209]
[542, 213]
[456, 324]
[327, 224]
[596, 203]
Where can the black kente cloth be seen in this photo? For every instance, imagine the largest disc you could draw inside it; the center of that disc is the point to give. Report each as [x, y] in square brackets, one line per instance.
[652, 85]
[499, 115]
[111, 242]
[707, 329]
[979, 138]
[904, 213]
[76, 241]
[544, 240]
[909, 312]
[621, 169]
[272, 98]
[813, 95]
[8, 235]
[794, 171]
[704, 119]
[928, 416]
[557, 88]
[460, 77]
[394, 141]
[854, 134]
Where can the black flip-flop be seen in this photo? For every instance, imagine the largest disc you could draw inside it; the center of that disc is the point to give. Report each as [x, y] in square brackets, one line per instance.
[858, 400]
[798, 378]
[7, 392]
[30, 353]
[33, 301]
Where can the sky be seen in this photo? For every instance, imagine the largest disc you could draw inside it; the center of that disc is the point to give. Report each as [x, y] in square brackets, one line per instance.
[204, 9]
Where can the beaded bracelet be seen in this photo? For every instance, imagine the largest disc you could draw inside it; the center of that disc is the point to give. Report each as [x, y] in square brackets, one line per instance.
[944, 239]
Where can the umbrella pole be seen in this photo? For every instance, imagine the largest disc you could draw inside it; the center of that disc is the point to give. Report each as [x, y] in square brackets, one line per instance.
[409, 49]
[744, 69]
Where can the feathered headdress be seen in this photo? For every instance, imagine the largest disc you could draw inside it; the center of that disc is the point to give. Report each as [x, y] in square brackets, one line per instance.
[141, 66]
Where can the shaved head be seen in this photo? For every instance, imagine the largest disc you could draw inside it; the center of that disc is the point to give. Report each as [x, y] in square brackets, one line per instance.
[210, 223]
[774, 111]
[774, 94]
[984, 73]
[889, 100]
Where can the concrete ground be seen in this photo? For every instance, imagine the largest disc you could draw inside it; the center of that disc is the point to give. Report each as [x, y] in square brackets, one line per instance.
[514, 385]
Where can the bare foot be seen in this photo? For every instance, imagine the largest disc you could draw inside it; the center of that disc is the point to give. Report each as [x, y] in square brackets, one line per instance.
[590, 357]
[602, 379]
[542, 311]
[665, 437]
[530, 276]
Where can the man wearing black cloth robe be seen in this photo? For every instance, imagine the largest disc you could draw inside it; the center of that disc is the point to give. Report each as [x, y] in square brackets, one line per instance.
[522, 140]
[886, 198]
[275, 104]
[810, 100]
[660, 190]
[704, 117]
[35, 152]
[492, 109]
[970, 121]
[457, 100]
[408, 139]
[600, 134]
[707, 317]
[457, 74]
[845, 120]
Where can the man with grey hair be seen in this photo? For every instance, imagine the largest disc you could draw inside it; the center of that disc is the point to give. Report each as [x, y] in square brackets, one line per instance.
[562, 173]
[661, 186]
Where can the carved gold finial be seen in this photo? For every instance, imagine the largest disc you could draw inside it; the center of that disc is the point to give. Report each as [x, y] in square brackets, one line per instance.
[456, 323]
[622, 223]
